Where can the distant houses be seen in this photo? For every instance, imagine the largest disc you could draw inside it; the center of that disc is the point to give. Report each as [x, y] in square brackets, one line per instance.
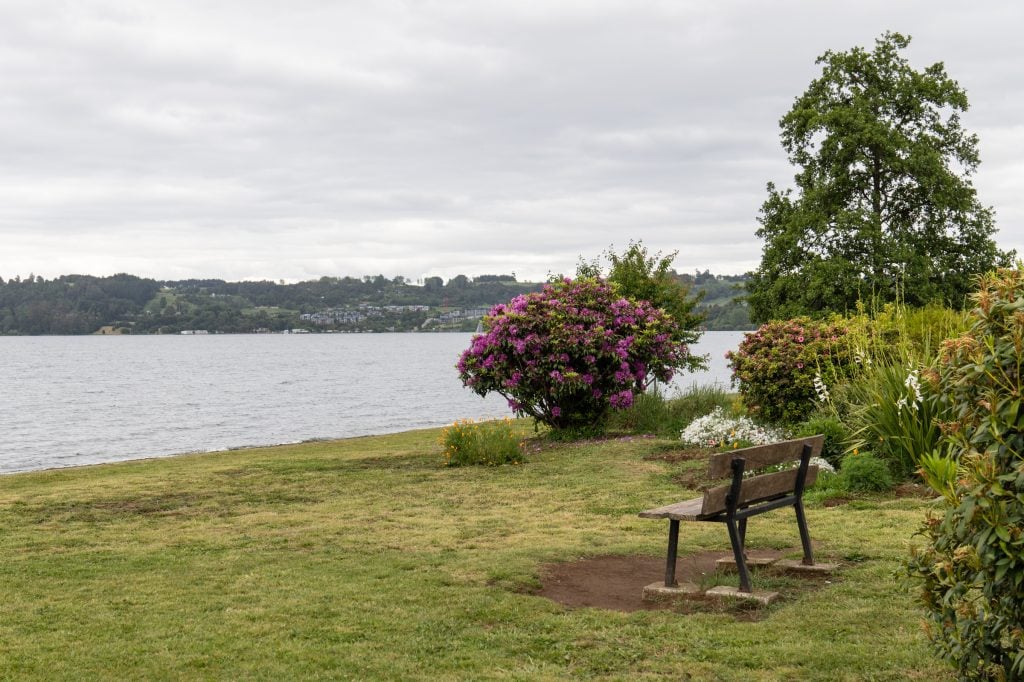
[357, 316]
[333, 316]
[459, 315]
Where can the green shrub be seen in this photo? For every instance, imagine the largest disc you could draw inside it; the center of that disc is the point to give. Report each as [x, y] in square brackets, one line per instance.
[865, 473]
[783, 370]
[491, 443]
[828, 486]
[971, 571]
[832, 428]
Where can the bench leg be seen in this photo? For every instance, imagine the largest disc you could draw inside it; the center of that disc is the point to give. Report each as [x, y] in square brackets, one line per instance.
[743, 535]
[673, 544]
[805, 537]
[735, 538]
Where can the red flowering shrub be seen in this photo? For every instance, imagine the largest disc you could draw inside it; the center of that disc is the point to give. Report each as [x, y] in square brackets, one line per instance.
[785, 366]
[572, 352]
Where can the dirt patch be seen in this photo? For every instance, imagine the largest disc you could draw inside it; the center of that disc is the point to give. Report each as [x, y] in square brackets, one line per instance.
[908, 489]
[911, 489]
[692, 479]
[93, 511]
[617, 582]
[675, 455]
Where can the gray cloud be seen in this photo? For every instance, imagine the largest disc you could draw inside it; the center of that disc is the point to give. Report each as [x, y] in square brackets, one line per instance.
[263, 139]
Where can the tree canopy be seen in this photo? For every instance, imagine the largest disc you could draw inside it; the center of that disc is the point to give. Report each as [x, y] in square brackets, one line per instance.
[884, 207]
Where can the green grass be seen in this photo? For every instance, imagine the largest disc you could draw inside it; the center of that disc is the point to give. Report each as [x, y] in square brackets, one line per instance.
[367, 559]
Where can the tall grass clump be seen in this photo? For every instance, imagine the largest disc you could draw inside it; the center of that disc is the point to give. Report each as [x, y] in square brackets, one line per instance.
[490, 443]
[652, 412]
[896, 331]
[895, 415]
[884, 402]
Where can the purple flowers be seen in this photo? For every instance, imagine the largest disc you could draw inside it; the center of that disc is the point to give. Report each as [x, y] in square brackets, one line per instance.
[568, 354]
[621, 400]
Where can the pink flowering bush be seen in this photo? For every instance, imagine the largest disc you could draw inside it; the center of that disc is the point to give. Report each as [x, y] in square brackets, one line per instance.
[784, 369]
[569, 354]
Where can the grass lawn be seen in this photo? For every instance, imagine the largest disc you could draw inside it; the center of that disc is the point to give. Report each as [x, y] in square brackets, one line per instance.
[366, 559]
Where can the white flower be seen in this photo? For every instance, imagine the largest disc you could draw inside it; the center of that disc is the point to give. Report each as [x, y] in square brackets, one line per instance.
[715, 428]
[820, 388]
[914, 384]
[819, 462]
[822, 464]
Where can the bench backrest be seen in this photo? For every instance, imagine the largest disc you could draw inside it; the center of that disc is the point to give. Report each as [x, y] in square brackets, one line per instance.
[765, 486]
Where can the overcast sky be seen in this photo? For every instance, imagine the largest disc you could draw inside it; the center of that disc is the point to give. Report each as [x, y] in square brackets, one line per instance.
[292, 139]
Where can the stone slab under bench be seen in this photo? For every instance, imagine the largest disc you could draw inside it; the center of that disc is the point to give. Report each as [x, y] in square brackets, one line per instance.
[796, 566]
[728, 592]
[658, 591]
[729, 563]
[787, 565]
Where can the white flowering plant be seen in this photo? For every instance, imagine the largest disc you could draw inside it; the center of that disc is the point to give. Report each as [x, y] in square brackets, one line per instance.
[822, 464]
[895, 416]
[718, 429]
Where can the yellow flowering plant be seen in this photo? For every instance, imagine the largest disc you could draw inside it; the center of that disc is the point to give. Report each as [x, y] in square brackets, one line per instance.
[491, 443]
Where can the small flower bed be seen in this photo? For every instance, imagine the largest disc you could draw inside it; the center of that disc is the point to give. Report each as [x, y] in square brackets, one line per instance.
[717, 430]
[822, 464]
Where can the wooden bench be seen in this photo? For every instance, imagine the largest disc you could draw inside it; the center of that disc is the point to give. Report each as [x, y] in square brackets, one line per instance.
[744, 497]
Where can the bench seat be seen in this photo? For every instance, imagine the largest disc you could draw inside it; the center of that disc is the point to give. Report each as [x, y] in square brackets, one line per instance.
[688, 510]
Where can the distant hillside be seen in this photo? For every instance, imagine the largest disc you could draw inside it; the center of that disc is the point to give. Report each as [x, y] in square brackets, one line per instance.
[722, 310]
[83, 304]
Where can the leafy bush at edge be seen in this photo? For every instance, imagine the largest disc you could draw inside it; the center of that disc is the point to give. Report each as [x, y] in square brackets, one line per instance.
[971, 570]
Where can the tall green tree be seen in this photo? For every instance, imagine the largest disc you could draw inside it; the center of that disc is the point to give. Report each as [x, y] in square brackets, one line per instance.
[884, 208]
[640, 276]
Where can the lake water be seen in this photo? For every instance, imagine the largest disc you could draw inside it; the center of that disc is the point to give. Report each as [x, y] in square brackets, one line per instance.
[72, 400]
